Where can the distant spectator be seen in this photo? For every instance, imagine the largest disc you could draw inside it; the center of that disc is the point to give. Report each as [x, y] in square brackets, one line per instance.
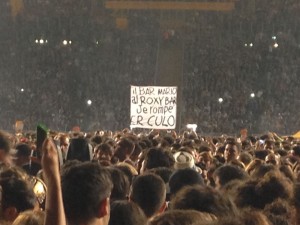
[23, 160]
[227, 173]
[231, 152]
[79, 149]
[124, 149]
[157, 157]
[103, 152]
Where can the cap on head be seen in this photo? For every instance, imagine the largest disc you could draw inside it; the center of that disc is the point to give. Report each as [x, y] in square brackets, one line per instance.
[183, 160]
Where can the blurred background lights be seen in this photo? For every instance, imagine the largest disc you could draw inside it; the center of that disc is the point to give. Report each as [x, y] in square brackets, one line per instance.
[22, 89]
[41, 41]
[252, 95]
[246, 45]
[276, 45]
[274, 37]
[89, 102]
[251, 44]
[65, 42]
[70, 42]
[220, 100]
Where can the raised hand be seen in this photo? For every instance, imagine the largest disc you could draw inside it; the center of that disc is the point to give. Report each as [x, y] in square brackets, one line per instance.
[55, 213]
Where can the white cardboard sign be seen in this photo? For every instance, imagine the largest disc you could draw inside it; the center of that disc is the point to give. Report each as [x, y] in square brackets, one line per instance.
[153, 107]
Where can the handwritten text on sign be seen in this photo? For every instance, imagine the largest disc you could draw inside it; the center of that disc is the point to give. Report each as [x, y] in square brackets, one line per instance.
[153, 107]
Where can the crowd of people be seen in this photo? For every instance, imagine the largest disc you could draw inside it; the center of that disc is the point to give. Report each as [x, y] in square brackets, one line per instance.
[240, 70]
[226, 55]
[154, 178]
[233, 80]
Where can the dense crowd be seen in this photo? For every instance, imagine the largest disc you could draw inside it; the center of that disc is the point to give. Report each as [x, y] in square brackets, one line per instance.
[153, 178]
[233, 74]
[226, 55]
[239, 70]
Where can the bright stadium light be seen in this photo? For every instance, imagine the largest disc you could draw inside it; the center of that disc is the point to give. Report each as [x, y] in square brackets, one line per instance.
[276, 45]
[89, 102]
[65, 42]
[252, 95]
[41, 41]
[220, 100]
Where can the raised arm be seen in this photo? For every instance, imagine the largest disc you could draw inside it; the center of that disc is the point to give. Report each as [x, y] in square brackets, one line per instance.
[55, 213]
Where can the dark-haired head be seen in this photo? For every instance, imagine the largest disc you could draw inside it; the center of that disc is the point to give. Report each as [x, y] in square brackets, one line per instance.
[126, 213]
